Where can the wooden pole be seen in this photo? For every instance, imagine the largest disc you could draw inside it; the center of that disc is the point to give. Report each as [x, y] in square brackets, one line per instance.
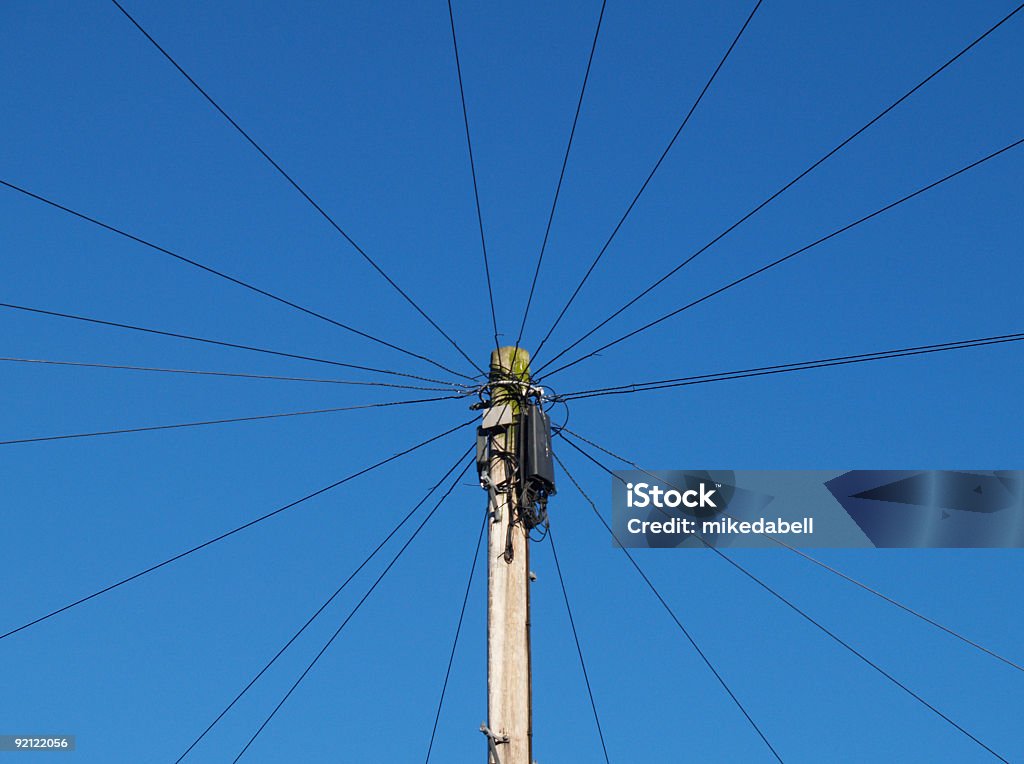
[509, 708]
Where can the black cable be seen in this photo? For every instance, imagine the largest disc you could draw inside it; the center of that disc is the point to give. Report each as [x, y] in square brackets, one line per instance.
[898, 604]
[821, 363]
[793, 254]
[348, 618]
[814, 622]
[850, 648]
[261, 417]
[295, 185]
[472, 170]
[231, 374]
[219, 343]
[324, 606]
[232, 532]
[458, 630]
[650, 176]
[821, 564]
[579, 648]
[664, 604]
[561, 175]
[226, 277]
[791, 183]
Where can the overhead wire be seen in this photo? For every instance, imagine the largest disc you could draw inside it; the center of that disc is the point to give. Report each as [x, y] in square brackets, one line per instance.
[294, 184]
[472, 170]
[781, 542]
[650, 176]
[233, 420]
[228, 374]
[667, 607]
[821, 363]
[579, 647]
[850, 648]
[949, 62]
[791, 255]
[233, 531]
[324, 606]
[561, 175]
[229, 278]
[458, 630]
[219, 343]
[354, 610]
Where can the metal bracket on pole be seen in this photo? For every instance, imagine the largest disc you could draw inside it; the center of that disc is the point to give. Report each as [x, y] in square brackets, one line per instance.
[486, 482]
[493, 741]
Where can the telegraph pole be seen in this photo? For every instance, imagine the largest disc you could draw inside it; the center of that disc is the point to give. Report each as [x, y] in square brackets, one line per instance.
[509, 727]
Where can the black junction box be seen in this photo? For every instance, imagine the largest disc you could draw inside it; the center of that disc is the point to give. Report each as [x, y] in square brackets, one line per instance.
[537, 464]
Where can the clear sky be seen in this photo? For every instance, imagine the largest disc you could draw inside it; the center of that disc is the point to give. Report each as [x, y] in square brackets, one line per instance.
[360, 103]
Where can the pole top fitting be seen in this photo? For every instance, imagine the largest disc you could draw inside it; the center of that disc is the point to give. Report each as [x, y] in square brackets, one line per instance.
[510, 376]
[510, 362]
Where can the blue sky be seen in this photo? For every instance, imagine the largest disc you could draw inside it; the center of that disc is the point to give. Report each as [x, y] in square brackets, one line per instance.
[359, 102]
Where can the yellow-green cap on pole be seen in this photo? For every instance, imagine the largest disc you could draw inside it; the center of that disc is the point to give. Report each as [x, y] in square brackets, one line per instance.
[509, 364]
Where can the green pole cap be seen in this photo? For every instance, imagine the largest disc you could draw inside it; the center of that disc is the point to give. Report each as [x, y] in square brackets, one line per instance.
[510, 362]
